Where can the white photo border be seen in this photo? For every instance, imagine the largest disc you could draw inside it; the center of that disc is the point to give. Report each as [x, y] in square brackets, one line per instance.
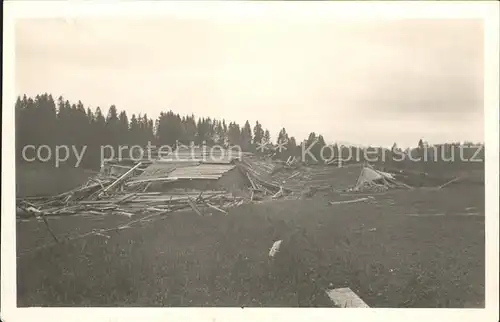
[488, 11]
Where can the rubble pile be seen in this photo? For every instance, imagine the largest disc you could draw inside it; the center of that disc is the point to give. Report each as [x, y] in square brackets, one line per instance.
[125, 195]
[128, 192]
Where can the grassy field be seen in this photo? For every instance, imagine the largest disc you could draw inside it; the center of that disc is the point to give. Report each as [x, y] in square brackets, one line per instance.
[39, 179]
[420, 248]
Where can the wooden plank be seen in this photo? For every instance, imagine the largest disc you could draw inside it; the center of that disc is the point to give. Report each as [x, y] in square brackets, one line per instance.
[94, 202]
[99, 182]
[161, 201]
[275, 248]
[206, 168]
[123, 167]
[201, 177]
[278, 194]
[251, 182]
[217, 161]
[157, 209]
[48, 228]
[30, 198]
[346, 298]
[183, 193]
[193, 205]
[144, 161]
[175, 177]
[149, 193]
[146, 187]
[190, 174]
[127, 197]
[449, 182]
[124, 213]
[348, 201]
[216, 208]
[193, 162]
[164, 179]
[123, 177]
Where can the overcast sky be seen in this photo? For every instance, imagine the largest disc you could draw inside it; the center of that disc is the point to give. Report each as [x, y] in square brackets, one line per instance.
[363, 82]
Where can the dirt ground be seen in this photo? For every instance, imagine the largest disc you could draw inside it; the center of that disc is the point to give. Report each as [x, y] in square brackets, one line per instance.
[420, 248]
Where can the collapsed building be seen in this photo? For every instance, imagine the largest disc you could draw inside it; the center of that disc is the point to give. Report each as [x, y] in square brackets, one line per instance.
[194, 178]
[195, 168]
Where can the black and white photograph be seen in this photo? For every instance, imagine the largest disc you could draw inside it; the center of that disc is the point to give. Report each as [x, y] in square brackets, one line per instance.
[251, 155]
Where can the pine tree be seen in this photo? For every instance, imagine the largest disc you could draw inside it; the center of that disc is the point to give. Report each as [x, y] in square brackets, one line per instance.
[317, 148]
[124, 138]
[258, 133]
[267, 136]
[292, 147]
[20, 129]
[311, 141]
[134, 131]
[282, 142]
[225, 132]
[99, 130]
[190, 130]
[246, 137]
[234, 134]
[113, 128]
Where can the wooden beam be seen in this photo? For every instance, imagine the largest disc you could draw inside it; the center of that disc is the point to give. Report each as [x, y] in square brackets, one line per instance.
[447, 183]
[123, 167]
[251, 182]
[164, 179]
[127, 197]
[193, 205]
[123, 177]
[278, 194]
[347, 201]
[346, 298]
[216, 208]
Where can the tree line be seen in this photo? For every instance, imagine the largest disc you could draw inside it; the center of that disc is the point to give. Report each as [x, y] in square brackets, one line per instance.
[42, 120]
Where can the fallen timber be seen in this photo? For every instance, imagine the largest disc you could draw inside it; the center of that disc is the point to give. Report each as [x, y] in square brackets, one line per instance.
[126, 193]
[129, 203]
[107, 194]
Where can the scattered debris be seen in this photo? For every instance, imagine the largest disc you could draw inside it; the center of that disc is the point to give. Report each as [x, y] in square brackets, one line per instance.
[133, 187]
[279, 193]
[116, 196]
[423, 215]
[348, 201]
[120, 179]
[346, 298]
[449, 182]
[193, 205]
[469, 214]
[195, 181]
[374, 180]
[275, 248]
[216, 208]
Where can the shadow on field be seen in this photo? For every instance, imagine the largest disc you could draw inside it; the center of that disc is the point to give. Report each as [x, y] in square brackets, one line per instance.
[389, 259]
